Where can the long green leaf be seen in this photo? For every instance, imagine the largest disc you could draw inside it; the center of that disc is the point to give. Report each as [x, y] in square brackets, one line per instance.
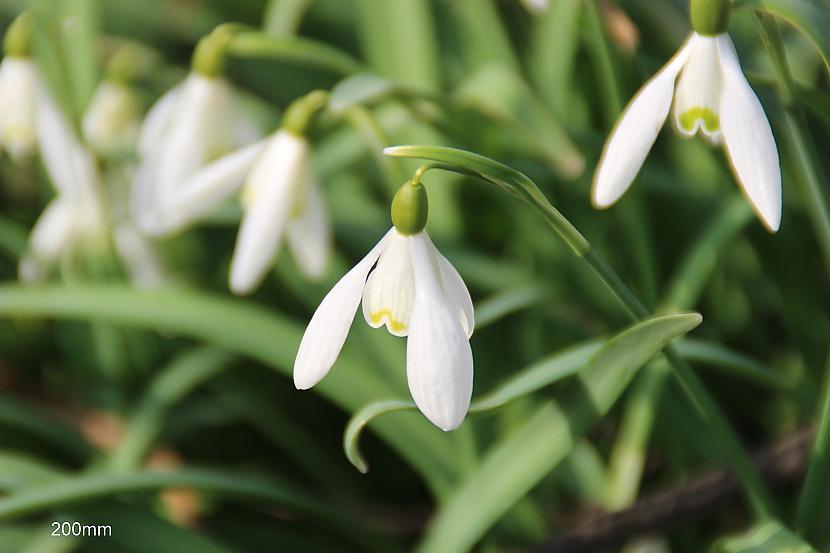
[302, 51]
[544, 440]
[767, 537]
[246, 329]
[810, 17]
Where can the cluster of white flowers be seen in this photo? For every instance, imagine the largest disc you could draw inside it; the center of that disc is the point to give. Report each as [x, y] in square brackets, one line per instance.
[197, 147]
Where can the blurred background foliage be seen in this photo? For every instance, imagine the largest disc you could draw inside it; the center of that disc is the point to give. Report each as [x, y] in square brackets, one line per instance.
[101, 381]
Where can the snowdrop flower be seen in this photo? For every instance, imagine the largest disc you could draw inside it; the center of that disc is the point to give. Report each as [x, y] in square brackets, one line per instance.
[711, 96]
[280, 198]
[191, 125]
[110, 124]
[18, 91]
[76, 213]
[409, 287]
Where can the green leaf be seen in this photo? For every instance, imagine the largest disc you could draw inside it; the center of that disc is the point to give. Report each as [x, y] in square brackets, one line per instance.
[175, 381]
[87, 487]
[48, 429]
[362, 88]
[246, 329]
[360, 419]
[301, 51]
[503, 95]
[811, 18]
[766, 537]
[542, 442]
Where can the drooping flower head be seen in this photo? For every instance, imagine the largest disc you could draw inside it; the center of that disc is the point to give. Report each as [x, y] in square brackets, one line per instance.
[711, 97]
[280, 197]
[405, 284]
[191, 125]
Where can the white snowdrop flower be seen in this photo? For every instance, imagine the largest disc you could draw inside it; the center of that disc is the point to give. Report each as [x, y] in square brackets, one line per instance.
[280, 198]
[111, 122]
[76, 213]
[536, 6]
[18, 91]
[190, 126]
[711, 96]
[406, 285]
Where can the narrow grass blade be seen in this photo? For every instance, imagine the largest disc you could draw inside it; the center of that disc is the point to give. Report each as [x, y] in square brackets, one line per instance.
[544, 440]
[766, 537]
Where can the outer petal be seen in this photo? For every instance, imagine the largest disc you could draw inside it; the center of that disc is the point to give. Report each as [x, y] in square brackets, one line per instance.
[157, 120]
[70, 166]
[18, 93]
[269, 197]
[635, 132]
[439, 361]
[309, 235]
[456, 290]
[53, 230]
[749, 140]
[327, 331]
[206, 189]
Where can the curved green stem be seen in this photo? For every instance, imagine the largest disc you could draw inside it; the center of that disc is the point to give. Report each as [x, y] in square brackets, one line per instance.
[523, 187]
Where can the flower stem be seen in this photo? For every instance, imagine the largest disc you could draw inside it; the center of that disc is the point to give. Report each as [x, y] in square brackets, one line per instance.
[809, 172]
[522, 186]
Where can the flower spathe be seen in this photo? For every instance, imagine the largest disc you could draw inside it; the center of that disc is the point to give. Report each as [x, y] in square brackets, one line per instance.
[190, 126]
[711, 96]
[405, 284]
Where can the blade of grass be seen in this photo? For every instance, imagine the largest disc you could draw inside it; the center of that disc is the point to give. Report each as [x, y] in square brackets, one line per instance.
[547, 437]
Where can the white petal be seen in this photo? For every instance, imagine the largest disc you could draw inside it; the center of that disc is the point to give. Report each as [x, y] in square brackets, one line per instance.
[635, 132]
[53, 230]
[457, 292]
[18, 93]
[749, 140]
[390, 289]
[157, 120]
[206, 189]
[71, 167]
[697, 100]
[269, 197]
[439, 361]
[327, 331]
[199, 130]
[309, 235]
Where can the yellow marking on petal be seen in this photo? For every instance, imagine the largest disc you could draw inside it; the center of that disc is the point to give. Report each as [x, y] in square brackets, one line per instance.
[394, 325]
[710, 120]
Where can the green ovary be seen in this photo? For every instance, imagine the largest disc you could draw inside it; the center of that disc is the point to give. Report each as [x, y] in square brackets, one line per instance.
[709, 119]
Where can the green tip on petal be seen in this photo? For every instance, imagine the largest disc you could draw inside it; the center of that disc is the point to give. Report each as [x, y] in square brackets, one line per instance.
[18, 41]
[299, 114]
[709, 119]
[410, 208]
[709, 17]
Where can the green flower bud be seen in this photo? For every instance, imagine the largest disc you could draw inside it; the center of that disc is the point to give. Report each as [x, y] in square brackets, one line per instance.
[410, 208]
[299, 114]
[210, 55]
[18, 41]
[709, 17]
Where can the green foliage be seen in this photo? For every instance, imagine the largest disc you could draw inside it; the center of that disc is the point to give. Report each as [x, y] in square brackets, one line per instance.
[167, 410]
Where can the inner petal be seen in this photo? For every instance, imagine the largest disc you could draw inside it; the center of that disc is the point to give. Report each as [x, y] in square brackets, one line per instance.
[697, 102]
[390, 288]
